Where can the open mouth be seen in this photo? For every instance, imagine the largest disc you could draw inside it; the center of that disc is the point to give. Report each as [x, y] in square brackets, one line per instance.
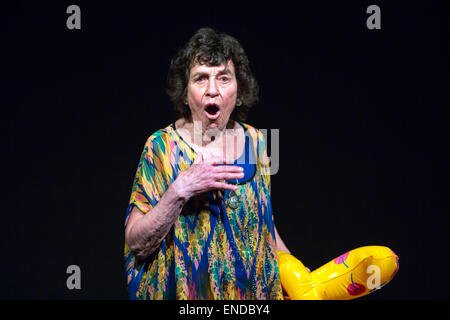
[212, 111]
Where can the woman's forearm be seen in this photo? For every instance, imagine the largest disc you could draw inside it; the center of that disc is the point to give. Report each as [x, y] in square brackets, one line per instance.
[147, 232]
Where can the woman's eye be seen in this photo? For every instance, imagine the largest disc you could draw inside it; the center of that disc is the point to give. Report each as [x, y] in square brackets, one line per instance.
[224, 79]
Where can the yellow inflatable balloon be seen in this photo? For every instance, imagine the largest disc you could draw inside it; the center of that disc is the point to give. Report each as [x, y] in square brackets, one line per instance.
[353, 274]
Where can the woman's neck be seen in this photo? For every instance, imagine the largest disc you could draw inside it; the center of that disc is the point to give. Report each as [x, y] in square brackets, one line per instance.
[196, 133]
[228, 142]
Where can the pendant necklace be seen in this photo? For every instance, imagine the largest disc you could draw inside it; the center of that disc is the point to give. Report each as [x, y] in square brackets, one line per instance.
[233, 200]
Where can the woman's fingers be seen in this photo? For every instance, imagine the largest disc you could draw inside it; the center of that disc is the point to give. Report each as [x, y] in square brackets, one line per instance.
[212, 173]
[227, 169]
[229, 175]
[225, 186]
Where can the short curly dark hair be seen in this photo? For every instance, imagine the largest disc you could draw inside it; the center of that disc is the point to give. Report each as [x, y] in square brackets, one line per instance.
[213, 49]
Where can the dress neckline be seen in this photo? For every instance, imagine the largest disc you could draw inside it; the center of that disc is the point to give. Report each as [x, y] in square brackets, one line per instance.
[246, 160]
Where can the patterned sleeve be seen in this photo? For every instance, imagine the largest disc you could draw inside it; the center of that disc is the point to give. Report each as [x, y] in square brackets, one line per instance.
[149, 183]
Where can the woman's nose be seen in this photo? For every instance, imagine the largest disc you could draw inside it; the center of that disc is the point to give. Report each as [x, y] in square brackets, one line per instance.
[211, 90]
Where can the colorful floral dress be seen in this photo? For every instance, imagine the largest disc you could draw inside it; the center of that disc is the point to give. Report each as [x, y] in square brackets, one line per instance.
[217, 249]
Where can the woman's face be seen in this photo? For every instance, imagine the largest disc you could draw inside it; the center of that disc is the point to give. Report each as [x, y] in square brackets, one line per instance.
[211, 94]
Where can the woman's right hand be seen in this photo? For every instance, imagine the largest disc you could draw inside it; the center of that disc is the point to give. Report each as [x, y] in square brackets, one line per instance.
[206, 175]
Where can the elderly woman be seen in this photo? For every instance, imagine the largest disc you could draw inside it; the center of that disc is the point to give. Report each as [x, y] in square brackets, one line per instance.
[199, 223]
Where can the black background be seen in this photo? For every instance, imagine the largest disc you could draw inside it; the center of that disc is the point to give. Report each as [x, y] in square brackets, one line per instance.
[361, 114]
